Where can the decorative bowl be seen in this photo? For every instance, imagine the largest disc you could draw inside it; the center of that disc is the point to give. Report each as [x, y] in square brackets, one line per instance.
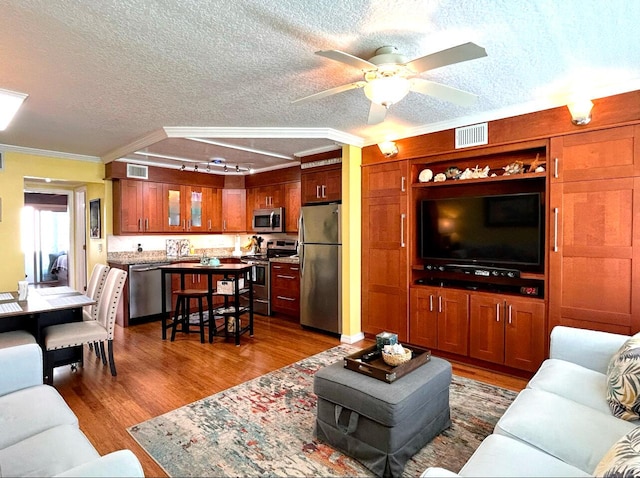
[396, 359]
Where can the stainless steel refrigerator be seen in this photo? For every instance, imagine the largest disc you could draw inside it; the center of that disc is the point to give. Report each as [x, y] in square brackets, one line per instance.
[321, 267]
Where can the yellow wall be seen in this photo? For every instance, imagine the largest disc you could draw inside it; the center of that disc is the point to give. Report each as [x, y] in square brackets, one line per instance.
[17, 166]
[351, 239]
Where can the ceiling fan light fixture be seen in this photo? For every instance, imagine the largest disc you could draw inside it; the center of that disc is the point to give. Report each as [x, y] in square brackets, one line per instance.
[387, 91]
[580, 110]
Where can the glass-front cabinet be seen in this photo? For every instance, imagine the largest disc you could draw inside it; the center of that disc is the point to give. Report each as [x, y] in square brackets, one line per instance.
[173, 208]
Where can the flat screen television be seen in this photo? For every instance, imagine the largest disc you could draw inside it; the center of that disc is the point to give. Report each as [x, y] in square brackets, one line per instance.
[494, 231]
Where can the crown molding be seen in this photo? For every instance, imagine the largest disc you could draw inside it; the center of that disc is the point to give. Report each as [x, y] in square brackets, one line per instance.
[8, 148]
[136, 145]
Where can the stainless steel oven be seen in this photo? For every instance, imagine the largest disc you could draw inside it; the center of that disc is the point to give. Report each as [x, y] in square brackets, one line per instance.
[268, 220]
[260, 279]
[261, 272]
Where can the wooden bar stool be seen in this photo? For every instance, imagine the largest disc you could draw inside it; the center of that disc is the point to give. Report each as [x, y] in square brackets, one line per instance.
[183, 304]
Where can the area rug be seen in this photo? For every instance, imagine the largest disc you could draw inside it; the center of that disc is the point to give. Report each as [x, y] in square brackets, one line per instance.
[264, 427]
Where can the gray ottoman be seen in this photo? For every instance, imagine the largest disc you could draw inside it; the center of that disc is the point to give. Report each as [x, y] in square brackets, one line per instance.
[382, 424]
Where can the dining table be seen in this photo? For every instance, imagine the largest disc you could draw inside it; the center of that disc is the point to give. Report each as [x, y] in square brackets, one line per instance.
[44, 307]
[231, 308]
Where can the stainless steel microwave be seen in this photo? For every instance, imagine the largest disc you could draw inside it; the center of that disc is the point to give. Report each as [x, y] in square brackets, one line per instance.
[268, 220]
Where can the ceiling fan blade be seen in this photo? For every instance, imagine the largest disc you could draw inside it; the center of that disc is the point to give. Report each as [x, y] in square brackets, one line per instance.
[457, 54]
[331, 91]
[348, 59]
[443, 92]
[376, 113]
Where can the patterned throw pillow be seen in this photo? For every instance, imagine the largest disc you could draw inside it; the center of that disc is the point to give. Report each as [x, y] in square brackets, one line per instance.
[623, 380]
[623, 459]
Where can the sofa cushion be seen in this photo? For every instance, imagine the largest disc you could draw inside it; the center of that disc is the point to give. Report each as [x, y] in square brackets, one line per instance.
[48, 453]
[623, 377]
[574, 382]
[572, 432]
[623, 459]
[30, 411]
[498, 455]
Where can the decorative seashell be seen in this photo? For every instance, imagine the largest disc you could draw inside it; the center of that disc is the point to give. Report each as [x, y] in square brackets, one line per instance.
[452, 172]
[517, 167]
[440, 177]
[540, 169]
[425, 176]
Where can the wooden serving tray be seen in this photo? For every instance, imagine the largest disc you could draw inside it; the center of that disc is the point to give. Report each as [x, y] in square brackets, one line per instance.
[377, 368]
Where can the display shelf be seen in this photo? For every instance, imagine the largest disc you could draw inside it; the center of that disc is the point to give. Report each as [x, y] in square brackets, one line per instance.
[230, 310]
[458, 182]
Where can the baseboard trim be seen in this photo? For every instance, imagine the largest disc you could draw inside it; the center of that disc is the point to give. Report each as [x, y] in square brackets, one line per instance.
[352, 339]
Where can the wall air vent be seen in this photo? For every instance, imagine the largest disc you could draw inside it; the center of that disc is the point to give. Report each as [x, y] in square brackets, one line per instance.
[474, 135]
[137, 171]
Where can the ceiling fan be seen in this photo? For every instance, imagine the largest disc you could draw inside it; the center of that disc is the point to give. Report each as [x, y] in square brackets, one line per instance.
[388, 77]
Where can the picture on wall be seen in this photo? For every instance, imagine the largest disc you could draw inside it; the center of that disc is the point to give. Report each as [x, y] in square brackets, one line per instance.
[95, 230]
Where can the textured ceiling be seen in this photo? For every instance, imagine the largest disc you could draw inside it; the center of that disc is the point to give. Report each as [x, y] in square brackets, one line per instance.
[109, 78]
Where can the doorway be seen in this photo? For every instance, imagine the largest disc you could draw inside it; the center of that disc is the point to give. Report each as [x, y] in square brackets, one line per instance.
[46, 235]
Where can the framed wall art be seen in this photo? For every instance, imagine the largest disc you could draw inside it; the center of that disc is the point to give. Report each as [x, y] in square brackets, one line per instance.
[95, 224]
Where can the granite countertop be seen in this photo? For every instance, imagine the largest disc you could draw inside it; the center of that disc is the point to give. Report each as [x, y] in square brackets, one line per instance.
[286, 260]
[150, 257]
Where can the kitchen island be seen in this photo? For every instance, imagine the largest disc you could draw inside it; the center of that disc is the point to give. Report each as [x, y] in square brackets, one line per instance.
[232, 306]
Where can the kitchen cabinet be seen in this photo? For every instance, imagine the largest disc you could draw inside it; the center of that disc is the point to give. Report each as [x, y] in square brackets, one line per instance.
[234, 210]
[137, 206]
[191, 281]
[594, 250]
[285, 288]
[292, 206]
[385, 271]
[323, 185]
[265, 197]
[507, 330]
[439, 319]
[191, 209]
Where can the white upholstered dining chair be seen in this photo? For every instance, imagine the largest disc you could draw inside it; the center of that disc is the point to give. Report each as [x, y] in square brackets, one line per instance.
[75, 334]
[94, 290]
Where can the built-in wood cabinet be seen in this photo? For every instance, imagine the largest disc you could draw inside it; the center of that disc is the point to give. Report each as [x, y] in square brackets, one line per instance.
[385, 254]
[234, 210]
[322, 184]
[507, 330]
[137, 206]
[439, 319]
[594, 251]
[292, 200]
[285, 288]
[265, 197]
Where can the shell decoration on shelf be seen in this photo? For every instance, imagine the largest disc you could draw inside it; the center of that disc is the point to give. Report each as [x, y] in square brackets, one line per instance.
[425, 176]
[537, 166]
[517, 167]
[452, 172]
[439, 178]
[475, 173]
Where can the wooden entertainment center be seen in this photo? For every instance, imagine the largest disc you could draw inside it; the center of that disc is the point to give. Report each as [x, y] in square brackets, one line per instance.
[590, 193]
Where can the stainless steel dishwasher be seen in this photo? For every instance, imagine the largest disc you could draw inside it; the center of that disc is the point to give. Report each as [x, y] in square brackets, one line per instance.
[145, 288]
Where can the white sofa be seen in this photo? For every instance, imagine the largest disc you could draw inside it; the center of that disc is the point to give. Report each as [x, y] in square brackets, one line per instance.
[561, 424]
[39, 434]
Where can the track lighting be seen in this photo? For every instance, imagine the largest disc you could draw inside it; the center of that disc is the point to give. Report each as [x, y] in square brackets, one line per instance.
[237, 168]
[225, 168]
[195, 168]
[182, 168]
[208, 167]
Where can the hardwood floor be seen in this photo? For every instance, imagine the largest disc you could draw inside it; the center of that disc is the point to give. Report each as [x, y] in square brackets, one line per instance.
[156, 376]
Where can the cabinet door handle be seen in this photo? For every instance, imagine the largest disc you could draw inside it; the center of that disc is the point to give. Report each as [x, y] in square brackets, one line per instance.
[146, 224]
[277, 267]
[294, 268]
[430, 303]
[209, 224]
[498, 312]
[510, 307]
[402, 186]
[317, 191]
[402, 218]
[285, 298]
[555, 168]
[183, 224]
[224, 224]
[139, 224]
[285, 277]
[555, 229]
